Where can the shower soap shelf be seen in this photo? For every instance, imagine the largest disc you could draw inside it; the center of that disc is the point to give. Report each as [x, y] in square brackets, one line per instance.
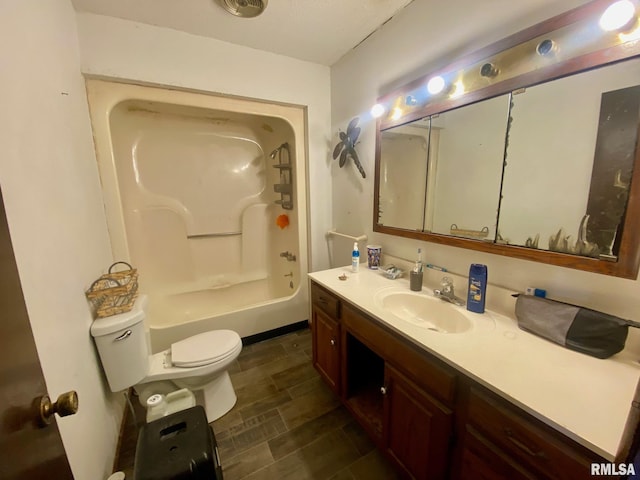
[285, 187]
[282, 188]
[114, 292]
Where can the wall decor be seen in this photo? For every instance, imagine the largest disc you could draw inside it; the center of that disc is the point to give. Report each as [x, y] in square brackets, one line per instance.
[346, 147]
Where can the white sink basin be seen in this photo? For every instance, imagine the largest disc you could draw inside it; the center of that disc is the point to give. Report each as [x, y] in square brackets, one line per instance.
[425, 311]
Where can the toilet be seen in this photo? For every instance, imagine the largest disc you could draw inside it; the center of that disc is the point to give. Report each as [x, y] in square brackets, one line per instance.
[198, 363]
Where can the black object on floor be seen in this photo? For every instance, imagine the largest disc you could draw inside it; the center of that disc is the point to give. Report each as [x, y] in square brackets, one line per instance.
[179, 446]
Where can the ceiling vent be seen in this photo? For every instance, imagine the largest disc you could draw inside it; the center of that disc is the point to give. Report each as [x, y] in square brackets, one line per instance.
[244, 8]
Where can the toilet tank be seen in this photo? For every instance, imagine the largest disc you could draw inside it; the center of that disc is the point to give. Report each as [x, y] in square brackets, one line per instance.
[122, 346]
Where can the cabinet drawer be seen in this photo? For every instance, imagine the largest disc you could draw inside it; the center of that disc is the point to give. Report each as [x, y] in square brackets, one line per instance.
[424, 371]
[481, 460]
[533, 445]
[327, 302]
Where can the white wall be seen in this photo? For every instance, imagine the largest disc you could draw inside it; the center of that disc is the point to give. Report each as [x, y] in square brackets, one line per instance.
[141, 53]
[419, 37]
[51, 191]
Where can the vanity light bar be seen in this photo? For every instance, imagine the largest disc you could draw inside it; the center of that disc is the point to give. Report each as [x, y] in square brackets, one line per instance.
[618, 24]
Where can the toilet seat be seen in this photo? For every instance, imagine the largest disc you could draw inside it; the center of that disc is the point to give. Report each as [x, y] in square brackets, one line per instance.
[204, 348]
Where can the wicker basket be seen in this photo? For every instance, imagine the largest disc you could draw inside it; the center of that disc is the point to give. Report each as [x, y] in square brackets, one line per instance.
[114, 292]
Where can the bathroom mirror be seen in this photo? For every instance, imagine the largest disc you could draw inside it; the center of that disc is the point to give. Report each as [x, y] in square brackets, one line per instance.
[581, 123]
[402, 196]
[467, 150]
[462, 147]
[527, 162]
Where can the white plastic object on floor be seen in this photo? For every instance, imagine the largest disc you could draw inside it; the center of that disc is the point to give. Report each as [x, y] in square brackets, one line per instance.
[116, 476]
[159, 405]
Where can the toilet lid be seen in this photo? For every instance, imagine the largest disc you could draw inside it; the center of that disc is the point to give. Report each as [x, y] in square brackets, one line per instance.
[204, 348]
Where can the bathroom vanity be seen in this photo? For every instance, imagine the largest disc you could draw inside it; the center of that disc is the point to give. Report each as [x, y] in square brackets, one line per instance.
[485, 401]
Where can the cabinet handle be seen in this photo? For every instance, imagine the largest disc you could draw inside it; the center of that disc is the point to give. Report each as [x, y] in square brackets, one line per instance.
[322, 300]
[521, 445]
[383, 390]
[332, 342]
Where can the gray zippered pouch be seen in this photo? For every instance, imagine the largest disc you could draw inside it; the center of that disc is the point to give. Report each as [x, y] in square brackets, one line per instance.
[577, 328]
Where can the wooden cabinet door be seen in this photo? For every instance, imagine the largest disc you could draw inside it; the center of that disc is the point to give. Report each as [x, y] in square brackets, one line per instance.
[417, 428]
[326, 348]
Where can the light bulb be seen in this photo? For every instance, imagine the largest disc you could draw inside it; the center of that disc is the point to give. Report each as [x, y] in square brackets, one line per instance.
[377, 110]
[617, 15]
[435, 85]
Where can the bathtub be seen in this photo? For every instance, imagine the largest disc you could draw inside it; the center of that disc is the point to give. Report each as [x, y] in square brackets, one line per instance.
[193, 191]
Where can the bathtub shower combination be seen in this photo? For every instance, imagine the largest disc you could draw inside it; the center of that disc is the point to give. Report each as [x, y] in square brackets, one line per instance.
[205, 195]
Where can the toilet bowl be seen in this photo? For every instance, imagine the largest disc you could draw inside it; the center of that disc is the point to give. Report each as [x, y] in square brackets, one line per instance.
[198, 363]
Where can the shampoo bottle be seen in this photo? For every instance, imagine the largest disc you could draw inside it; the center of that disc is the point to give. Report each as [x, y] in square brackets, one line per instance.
[355, 258]
[477, 288]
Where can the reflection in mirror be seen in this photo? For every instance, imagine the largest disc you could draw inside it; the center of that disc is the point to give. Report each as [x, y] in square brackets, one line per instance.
[442, 173]
[403, 175]
[578, 135]
[467, 153]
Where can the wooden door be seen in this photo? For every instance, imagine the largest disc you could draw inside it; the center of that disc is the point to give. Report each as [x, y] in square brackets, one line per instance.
[417, 428]
[27, 450]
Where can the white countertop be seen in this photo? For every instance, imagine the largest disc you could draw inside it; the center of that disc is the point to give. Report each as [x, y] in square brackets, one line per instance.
[586, 398]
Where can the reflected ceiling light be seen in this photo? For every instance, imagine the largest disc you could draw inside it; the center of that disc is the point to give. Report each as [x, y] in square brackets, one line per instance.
[377, 110]
[631, 36]
[458, 89]
[397, 113]
[435, 85]
[617, 16]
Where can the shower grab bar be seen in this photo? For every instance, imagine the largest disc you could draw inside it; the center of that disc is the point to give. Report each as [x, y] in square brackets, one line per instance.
[361, 238]
[209, 235]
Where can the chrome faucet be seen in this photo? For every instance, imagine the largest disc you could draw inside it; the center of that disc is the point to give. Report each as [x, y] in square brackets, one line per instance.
[447, 293]
[289, 256]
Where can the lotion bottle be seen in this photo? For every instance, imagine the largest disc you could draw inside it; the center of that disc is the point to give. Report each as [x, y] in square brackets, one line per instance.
[355, 258]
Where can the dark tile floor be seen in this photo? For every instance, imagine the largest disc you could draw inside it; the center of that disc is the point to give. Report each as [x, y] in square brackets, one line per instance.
[286, 424]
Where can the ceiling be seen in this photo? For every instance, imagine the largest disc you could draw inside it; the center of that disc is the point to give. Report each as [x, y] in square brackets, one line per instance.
[318, 31]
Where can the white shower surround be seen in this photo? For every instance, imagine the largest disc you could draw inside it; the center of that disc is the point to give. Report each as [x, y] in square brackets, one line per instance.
[229, 274]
